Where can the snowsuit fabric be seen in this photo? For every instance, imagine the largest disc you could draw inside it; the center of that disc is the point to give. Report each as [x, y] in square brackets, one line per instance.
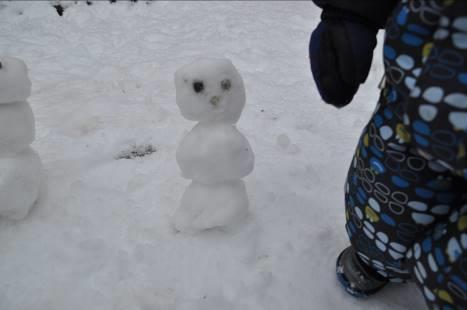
[406, 192]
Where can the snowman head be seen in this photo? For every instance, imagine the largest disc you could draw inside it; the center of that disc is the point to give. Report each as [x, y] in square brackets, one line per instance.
[14, 81]
[210, 90]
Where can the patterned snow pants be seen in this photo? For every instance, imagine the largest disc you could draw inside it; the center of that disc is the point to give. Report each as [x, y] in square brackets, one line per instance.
[406, 191]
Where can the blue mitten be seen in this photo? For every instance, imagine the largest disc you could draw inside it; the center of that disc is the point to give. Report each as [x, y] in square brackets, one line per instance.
[340, 56]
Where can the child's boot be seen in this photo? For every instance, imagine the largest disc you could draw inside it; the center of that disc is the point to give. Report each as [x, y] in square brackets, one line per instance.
[357, 278]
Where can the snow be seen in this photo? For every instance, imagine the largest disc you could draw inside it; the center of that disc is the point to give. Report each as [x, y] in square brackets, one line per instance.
[222, 205]
[20, 166]
[20, 183]
[214, 154]
[100, 236]
[14, 82]
[210, 90]
[17, 130]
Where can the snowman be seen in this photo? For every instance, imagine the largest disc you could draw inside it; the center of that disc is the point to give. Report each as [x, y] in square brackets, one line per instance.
[20, 166]
[214, 154]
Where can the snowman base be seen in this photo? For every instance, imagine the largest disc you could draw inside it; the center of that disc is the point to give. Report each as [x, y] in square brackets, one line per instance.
[207, 206]
[20, 181]
[16, 126]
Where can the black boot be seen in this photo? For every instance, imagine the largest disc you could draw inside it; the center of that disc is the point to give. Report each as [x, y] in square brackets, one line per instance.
[357, 278]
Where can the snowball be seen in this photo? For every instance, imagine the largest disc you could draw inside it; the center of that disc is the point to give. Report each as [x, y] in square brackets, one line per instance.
[17, 129]
[283, 141]
[20, 178]
[14, 81]
[223, 205]
[210, 89]
[215, 153]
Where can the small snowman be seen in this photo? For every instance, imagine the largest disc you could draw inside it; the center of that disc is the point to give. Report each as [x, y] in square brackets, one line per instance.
[214, 154]
[20, 166]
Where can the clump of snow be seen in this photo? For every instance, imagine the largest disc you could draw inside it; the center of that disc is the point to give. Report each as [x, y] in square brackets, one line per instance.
[220, 205]
[20, 181]
[17, 127]
[214, 154]
[20, 166]
[14, 81]
[283, 141]
[210, 90]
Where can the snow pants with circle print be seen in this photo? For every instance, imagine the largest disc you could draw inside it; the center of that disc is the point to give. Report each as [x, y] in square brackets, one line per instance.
[406, 191]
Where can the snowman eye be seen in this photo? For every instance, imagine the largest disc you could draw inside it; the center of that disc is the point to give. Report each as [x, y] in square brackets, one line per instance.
[1, 66]
[226, 84]
[198, 87]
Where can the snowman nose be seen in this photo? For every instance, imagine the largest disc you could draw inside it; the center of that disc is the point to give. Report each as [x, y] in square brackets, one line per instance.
[215, 100]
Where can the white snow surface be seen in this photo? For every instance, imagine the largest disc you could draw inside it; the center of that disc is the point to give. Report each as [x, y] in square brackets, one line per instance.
[100, 236]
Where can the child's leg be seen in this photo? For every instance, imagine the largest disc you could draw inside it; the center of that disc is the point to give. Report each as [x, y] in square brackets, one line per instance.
[393, 196]
[439, 262]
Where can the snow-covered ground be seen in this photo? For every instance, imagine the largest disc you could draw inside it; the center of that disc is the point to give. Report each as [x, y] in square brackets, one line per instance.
[101, 237]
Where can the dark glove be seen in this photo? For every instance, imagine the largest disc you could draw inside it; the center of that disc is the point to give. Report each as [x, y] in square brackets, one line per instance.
[340, 56]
